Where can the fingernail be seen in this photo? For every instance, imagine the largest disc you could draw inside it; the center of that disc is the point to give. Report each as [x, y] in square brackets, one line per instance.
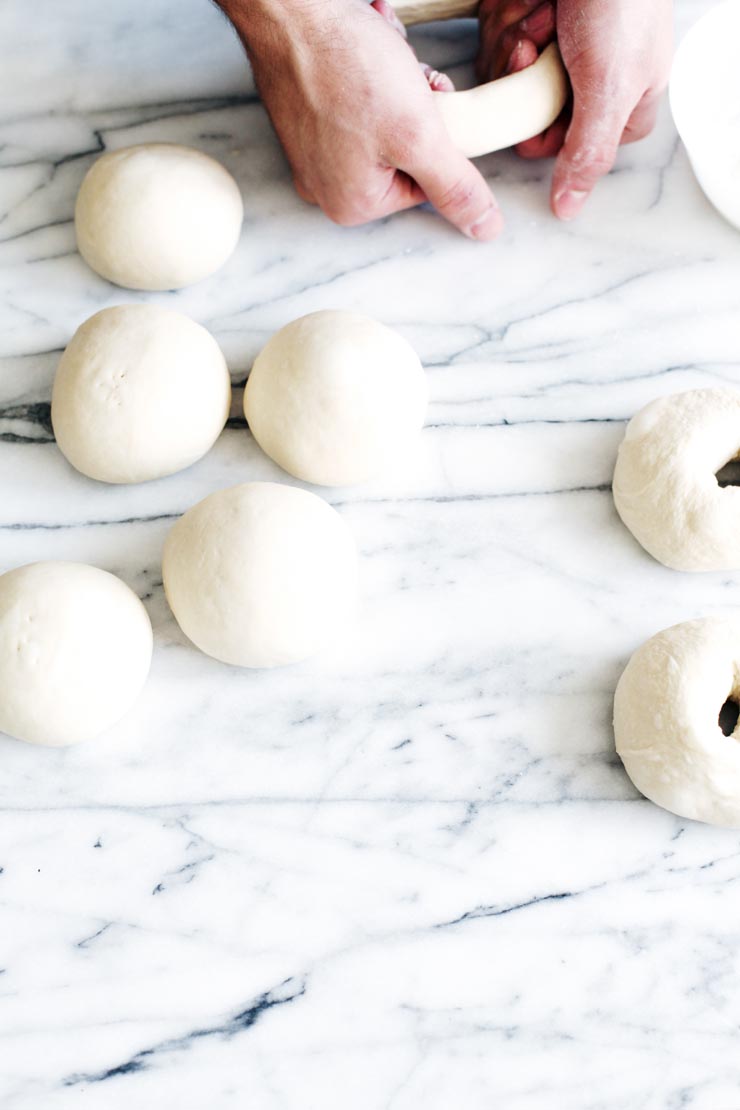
[570, 202]
[440, 82]
[488, 225]
[513, 61]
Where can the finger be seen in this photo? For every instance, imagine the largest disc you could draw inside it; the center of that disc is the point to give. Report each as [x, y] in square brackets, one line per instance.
[537, 28]
[388, 12]
[588, 153]
[403, 193]
[495, 20]
[508, 44]
[438, 82]
[350, 203]
[642, 120]
[522, 56]
[548, 143]
[456, 189]
[514, 11]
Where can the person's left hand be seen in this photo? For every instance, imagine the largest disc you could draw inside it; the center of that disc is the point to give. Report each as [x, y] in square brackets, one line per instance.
[617, 54]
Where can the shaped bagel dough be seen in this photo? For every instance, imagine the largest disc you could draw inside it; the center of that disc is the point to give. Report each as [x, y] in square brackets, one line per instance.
[666, 720]
[75, 650]
[665, 486]
[261, 574]
[140, 392]
[157, 216]
[497, 114]
[335, 397]
[502, 113]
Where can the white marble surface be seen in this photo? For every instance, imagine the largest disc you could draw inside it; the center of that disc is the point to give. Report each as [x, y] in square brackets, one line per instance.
[410, 873]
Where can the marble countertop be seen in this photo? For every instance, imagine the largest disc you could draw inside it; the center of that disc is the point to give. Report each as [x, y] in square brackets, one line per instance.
[412, 872]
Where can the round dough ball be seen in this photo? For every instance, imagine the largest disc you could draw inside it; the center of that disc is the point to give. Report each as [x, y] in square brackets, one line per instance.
[140, 392]
[260, 574]
[75, 651]
[666, 720]
[157, 216]
[335, 398]
[665, 488]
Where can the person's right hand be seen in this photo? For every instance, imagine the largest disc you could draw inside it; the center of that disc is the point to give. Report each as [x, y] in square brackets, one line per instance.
[355, 114]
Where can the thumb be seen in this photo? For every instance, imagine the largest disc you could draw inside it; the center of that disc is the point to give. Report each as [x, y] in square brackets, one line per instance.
[587, 155]
[456, 189]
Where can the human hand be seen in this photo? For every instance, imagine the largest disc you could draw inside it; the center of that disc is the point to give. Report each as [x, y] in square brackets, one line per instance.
[355, 114]
[617, 54]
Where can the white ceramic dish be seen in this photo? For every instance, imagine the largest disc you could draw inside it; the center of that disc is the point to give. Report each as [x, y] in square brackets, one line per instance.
[705, 102]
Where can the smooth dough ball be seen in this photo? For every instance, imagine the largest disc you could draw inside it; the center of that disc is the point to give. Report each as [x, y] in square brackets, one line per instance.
[75, 650]
[140, 392]
[666, 720]
[260, 574]
[335, 398]
[157, 216]
[665, 485]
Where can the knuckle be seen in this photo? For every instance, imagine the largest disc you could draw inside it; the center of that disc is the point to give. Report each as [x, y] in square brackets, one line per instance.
[633, 132]
[410, 134]
[342, 214]
[601, 163]
[641, 123]
[591, 160]
[348, 211]
[456, 197]
[513, 11]
[509, 39]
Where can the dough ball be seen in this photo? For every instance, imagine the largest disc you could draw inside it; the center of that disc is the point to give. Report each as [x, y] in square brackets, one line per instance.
[665, 485]
[335, 398]
[666, 720]
[140, 392]
[260, 574]
[157, 216]
[75, 650]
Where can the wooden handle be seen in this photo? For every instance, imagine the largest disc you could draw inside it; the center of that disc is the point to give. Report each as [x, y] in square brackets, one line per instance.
[424, 11]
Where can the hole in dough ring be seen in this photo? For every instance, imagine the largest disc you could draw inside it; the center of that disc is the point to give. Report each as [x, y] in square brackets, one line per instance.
[665, 486]
[502, 113]
[666, 720]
